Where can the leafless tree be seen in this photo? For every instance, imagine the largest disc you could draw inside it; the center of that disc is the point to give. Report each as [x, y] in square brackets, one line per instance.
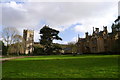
[8, 33]
[18, 46]
[19, 43]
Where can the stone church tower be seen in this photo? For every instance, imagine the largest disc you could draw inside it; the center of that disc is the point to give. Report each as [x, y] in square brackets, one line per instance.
[28, 36]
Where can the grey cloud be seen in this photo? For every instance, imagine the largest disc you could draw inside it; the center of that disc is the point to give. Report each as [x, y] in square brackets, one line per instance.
[59, 15]
[55, 14]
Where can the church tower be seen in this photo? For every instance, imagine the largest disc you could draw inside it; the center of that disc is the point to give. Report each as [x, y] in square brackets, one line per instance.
[28, 36]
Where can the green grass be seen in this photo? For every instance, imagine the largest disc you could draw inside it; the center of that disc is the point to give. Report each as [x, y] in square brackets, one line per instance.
[62, 66]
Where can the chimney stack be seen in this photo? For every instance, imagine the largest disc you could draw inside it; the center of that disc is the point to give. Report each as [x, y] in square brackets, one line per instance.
[86, 34]
[97, 30]
[105, 29]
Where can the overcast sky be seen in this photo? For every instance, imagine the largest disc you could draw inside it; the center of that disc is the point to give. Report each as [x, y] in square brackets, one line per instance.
[70, 18]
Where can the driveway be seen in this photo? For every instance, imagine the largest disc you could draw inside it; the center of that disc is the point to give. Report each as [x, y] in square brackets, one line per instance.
[10, 58]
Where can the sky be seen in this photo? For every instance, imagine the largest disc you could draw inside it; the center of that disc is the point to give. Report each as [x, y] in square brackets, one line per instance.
[70, 18]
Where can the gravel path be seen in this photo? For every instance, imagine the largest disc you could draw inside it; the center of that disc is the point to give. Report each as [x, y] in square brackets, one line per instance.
[10, 58]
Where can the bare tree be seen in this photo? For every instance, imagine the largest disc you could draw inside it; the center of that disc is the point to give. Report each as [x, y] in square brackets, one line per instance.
[17, 38]
[18, 46]
[8, 33]
[19, 43]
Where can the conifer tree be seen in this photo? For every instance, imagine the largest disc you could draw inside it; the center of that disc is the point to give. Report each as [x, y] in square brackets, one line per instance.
[47, 35]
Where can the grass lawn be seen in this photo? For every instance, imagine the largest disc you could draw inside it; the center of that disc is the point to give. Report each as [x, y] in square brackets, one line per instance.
[62, 66]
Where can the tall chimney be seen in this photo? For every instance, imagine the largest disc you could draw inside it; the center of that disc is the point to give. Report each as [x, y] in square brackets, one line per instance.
[105, 29]
[86, 34]
[97, 30]
[93, 29]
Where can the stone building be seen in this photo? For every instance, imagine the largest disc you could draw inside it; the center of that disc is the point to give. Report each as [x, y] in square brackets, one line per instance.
[28, 36]
[101, 41]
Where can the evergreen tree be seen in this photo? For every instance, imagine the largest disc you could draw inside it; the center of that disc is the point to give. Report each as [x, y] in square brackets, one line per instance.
[47, 35]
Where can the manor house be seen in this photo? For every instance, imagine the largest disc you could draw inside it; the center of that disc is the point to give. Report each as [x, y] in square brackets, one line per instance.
[101, 41]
